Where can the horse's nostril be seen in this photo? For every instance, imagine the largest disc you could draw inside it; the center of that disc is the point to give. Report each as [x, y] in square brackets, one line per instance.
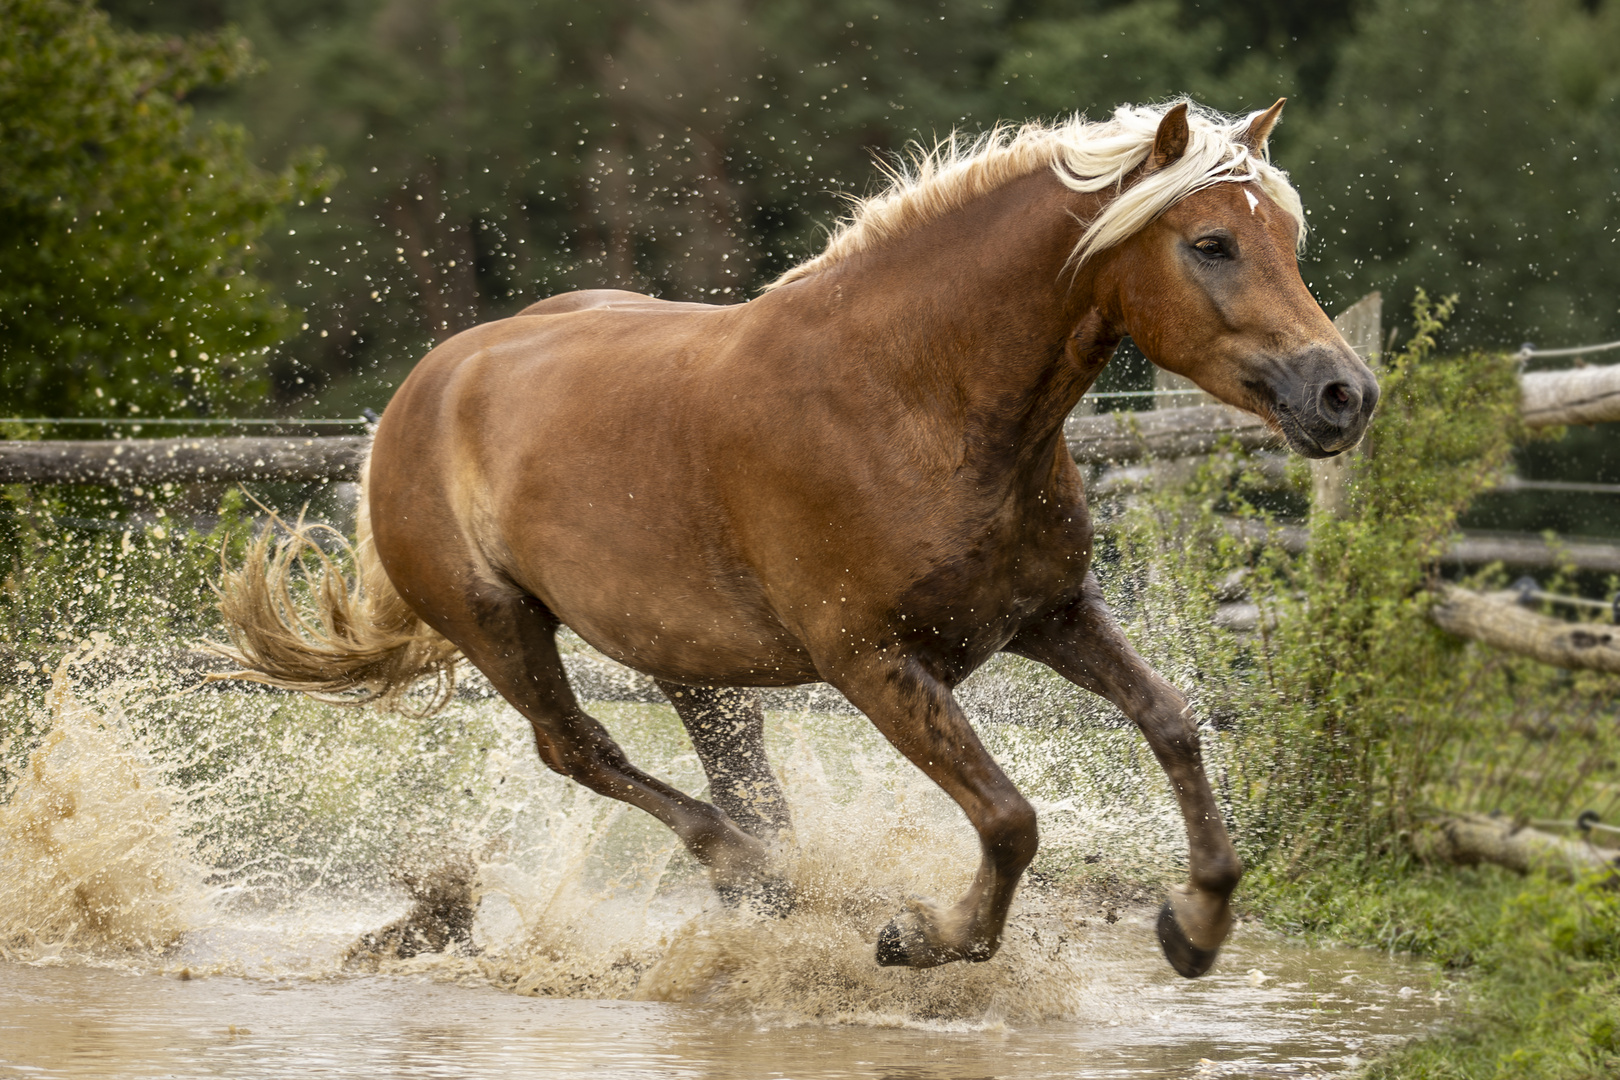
[1337, 398]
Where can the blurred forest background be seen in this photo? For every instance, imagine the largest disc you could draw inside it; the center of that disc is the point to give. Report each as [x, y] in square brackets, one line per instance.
[328, 187]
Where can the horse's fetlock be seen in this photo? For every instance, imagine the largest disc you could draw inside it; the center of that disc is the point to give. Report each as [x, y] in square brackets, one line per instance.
[1219, 874]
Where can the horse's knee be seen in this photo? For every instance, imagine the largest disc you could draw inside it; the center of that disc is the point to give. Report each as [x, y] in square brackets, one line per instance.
[598, 764]
[1012, 835]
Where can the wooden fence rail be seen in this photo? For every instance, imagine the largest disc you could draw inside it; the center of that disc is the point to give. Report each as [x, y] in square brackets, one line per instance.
[1466, 549]
[160, 461]
[1499, 621]
[1551, 399]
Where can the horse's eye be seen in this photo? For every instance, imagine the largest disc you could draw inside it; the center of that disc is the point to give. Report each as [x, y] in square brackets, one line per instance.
[1210, 246]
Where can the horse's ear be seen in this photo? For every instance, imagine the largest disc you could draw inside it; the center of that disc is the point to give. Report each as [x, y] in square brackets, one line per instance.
[1259, 129]
[1170, 142]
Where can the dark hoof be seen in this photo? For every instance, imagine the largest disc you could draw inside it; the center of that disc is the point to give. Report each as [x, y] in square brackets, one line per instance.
[1188, 959]
[891, 947]
[772, 896]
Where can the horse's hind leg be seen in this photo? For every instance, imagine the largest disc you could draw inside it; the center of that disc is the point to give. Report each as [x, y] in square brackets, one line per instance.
[1083, 643]
[727, 727]
[511, 638]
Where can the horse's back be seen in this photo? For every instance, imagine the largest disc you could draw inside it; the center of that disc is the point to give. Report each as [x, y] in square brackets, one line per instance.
[617, 299]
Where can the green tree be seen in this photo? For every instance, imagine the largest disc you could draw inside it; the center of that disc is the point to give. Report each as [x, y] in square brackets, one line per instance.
[498, 151]
[1150, 50]
[1472, 148]
[128, 234]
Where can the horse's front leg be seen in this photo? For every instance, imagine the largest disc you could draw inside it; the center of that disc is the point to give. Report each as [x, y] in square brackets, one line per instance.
[1083, 643]
[917, 713]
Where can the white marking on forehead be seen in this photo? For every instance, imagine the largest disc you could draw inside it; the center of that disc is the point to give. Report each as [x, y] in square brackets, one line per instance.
[1254, 203]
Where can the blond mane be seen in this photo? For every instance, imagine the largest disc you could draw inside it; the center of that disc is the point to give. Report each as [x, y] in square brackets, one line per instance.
[1086, 156]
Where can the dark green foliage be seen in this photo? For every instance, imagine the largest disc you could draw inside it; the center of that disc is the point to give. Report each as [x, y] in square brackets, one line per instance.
[126, 232]
[498, 152]
[1472, 148]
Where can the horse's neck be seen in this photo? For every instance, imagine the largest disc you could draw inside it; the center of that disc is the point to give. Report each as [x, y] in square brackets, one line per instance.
[974, 315]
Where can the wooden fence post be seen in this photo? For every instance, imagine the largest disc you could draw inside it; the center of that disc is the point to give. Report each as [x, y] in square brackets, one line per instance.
[1361, 324]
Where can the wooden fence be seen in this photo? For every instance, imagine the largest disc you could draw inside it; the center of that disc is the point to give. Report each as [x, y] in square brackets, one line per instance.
[1583, 396]
[149, 462]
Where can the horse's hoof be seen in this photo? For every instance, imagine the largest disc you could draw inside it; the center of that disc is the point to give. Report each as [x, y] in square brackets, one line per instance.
[891, 947]
[1188, 959]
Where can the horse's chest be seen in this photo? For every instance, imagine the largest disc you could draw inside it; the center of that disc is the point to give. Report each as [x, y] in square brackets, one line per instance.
[969, 603]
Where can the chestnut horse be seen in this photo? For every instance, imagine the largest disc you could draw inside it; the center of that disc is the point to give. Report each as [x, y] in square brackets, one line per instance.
[857, 477]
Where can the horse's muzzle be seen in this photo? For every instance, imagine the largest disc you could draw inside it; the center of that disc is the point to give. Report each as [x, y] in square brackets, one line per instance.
[1325, 409]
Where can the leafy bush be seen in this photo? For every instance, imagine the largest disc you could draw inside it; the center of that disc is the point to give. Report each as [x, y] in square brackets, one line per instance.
[1347, 719]
[1347, 716]
[142, 575]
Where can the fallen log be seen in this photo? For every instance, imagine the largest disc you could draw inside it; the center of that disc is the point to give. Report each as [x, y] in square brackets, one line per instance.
[159, 461]
[1471, 839]
[1498, 621]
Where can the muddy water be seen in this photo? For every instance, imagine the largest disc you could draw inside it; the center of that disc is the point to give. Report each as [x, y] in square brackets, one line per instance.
[184, 883]
[1317, 1012]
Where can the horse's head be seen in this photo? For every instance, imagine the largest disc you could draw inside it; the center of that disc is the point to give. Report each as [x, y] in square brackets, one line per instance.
[1211, 290]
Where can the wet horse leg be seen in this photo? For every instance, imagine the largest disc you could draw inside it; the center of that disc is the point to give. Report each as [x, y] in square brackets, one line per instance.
[1083, 643]
[917, 713]
[512, 641]
[727, 727]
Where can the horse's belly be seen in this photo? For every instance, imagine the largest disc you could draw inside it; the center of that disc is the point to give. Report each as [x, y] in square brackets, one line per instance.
[656, 604]
[693, 645]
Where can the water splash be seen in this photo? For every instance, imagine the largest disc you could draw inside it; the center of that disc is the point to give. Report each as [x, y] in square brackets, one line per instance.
[264, 835]
[94, 856]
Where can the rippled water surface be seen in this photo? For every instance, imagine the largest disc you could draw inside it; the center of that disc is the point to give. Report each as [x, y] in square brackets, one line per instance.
[1315, 1012]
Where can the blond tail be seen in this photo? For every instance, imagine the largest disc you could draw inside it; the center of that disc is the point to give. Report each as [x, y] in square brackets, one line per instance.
[332, 638]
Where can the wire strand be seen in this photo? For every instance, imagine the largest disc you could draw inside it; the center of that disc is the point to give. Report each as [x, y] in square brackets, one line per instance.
[1137, 393]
